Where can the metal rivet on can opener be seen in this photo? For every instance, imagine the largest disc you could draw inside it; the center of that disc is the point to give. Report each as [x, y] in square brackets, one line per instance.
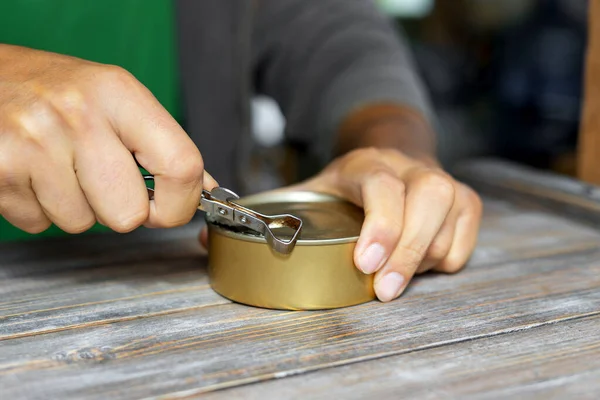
[221, 201]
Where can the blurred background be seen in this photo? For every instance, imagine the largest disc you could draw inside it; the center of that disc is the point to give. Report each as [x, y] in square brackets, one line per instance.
[505, 77]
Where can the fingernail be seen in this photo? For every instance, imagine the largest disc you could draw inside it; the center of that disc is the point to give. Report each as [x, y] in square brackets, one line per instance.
[372, 258]
[388, 287]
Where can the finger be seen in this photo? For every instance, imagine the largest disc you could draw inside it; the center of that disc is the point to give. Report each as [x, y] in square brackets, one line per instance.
[111, 180]
[203, 237]
[466, 233]
[382, 197]
[18, 204]
[57, 189]
[20, 208]
[162, 147]
[50, 180]
[375, 188]
[63, 200]
[429, 198]
[441, 244]
[209, 183]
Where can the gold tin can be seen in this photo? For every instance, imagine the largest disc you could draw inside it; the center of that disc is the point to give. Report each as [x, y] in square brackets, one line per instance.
[319, 273]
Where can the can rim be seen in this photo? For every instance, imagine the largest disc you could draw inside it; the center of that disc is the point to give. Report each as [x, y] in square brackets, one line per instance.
[278, 196]
[300, 242]
[283, 196]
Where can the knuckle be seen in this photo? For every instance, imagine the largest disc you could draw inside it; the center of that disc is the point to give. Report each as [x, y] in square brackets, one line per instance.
[424, 267]
[367, 155]
[390, 229]
[75, 109]
[115, 75]
[80, 226]
[384, 176]
[129, 222]
[438, 250]
[111, 71]
[186, 166]
[473, 200]
[22, 214]
[363, 154]
[451, 265]
[392, 153]
[174, 222]
[440, 183]
[70, 101]
[9, 178]
[412, 253]
[30, 220]
[36, 124]
[368, 152]
[36, 226]
[385, 183]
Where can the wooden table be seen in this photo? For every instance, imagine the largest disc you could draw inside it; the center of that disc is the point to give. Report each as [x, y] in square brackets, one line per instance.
[133, 316]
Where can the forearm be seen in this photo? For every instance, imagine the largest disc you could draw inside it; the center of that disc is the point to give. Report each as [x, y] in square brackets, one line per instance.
[325, 67]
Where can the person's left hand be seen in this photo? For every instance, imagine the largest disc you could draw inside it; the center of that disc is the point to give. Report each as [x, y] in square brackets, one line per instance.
[417, 217]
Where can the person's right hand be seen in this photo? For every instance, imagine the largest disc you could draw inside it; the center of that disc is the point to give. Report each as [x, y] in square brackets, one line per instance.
[69, 132]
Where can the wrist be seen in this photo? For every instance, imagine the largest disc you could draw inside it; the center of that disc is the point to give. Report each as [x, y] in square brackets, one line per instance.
[388, 126]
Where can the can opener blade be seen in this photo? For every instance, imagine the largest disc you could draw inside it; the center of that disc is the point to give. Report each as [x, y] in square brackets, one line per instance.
[220, 204]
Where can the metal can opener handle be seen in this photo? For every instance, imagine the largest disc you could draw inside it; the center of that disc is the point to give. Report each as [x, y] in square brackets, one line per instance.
[220, 204]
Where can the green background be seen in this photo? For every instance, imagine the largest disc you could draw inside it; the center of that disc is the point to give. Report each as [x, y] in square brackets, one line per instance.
[137, 35]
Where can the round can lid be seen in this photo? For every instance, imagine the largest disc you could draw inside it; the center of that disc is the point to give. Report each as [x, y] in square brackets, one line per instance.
[326, 219]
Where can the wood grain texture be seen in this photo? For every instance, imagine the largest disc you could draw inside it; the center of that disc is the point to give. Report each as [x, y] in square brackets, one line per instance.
[228, 345]
[86, 300]
[133, 316]
[37, 258]
[534, 189]
[101, 279]
[565, 364]
[529, 181]
[53, 288]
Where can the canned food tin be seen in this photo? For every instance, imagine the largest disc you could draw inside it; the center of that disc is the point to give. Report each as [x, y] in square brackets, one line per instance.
[319, 273]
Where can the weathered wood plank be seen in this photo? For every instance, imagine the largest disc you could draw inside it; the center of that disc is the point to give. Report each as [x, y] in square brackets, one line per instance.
[38, 257]
[537, 189]
[104, 299]
[520, 233]
[228, 345]
[101, 279]
[106, 295]
[560, 361]
[52, 291]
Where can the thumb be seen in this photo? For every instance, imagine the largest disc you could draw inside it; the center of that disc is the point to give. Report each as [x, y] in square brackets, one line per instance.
[203, 238]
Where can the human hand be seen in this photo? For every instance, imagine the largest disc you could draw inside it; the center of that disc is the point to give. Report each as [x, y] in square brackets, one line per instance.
[69, 132]
[417, 217]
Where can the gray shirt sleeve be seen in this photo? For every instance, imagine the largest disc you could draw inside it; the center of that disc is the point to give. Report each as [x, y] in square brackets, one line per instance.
[322, 59]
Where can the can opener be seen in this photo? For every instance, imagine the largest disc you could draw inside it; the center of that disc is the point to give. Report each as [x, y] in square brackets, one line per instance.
[220, 202]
